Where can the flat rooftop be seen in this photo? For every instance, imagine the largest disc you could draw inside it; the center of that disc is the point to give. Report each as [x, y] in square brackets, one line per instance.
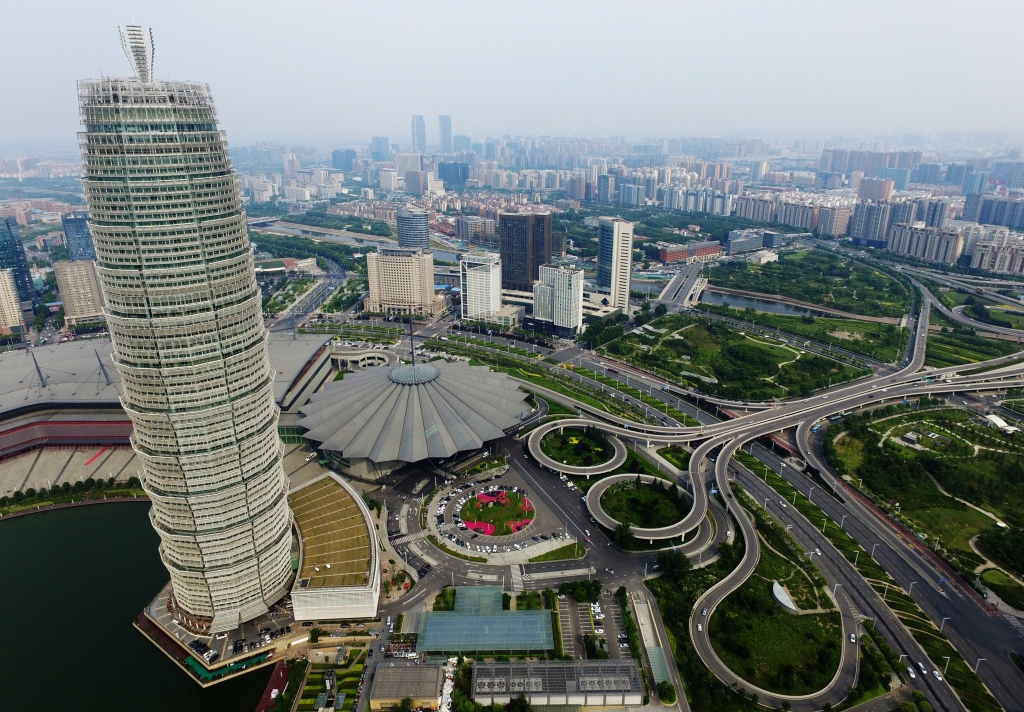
[555, 677]
[81, 372]
[420, 682]
[336, 542]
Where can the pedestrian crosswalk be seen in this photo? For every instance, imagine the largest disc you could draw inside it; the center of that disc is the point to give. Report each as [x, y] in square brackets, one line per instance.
[517, 577]
[416, 536]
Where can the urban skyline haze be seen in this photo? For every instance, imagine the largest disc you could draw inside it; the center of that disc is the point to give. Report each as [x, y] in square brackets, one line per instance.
[340, 73]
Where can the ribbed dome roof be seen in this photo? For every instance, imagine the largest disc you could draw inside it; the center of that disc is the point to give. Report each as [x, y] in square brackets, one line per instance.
[410, 413]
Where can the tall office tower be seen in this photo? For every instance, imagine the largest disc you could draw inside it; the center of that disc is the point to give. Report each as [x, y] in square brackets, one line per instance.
[413, 227]
[481, 284]
[757, 170]
[415, 182]
[461, 142]
[342, 159]
[12, 257]
[185, 318]
[401, 281]
[558, 298]
[876, 189]
[419, 134]
[405, 162]
[380, 148]
[605, 188]
[445, 127]
[10, 305]
[453, 173]
[77, 235]
[79, 288]
[614, 260]
[525, 245]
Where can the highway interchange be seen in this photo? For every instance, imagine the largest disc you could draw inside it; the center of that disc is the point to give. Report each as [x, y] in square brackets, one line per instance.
[971, 626]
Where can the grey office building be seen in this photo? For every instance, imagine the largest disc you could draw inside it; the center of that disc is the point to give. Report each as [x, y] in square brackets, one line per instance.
[419, 134]
[78, 236]
[445, 125]
[380, 148]
[413, 230]
[12, 257]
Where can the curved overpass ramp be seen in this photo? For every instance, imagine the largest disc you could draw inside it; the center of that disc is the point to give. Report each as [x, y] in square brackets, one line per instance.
[598, 489]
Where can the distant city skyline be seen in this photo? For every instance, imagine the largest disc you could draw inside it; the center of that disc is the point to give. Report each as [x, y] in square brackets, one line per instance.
[754, 69]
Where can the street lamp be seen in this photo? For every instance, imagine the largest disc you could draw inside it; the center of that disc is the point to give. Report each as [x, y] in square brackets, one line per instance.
[943, 623]
[977, 665]
[910, 590]
[873, 550]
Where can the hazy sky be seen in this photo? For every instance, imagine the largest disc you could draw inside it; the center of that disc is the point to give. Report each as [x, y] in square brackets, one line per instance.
[342, 71]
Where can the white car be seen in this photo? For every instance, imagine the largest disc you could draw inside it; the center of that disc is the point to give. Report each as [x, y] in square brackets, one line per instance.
[937, 675]
[699, 628]
[910, 671]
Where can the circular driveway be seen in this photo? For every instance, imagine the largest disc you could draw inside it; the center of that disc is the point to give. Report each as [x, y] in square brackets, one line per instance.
[594, 494]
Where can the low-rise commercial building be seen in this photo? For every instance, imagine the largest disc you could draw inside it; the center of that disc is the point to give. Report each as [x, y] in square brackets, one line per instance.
[579, 683]
[745, 241]
[700, 251]
[420, 683]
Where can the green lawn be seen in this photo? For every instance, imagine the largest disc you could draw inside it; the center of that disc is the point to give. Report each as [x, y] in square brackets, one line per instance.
[649, 506]
[770, 648]
[677, 456]
[883, 342]
[954, 345]
[577, 448]
[724, 361]
[509, 509]
[1011, 591]
[818, 277]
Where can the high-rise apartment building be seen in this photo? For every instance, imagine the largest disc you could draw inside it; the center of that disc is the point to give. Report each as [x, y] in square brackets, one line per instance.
[419, 134]
[185, 319]
[525, 243]
[401, 281]
[757, 170]
[10, 305]
[291, 165]
[992, 210]
[342, 159]
[413, 227]
[876, 189]
[606, 188]
[79, 288]
[930, 244]
[475, 230]
[388, 179]
[77, 235]
[869, 224]
[405, 162]
[614, 260]
[558, 298]
[380, 148]
[12, 257]
[833, 221]
[755, 208]
[444, 122]
[481, 284]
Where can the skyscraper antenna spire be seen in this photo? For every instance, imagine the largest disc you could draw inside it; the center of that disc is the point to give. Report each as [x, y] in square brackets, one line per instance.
[139, 53]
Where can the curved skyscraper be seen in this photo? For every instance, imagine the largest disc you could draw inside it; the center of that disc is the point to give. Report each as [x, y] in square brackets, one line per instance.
[413, 227]
[183, 309]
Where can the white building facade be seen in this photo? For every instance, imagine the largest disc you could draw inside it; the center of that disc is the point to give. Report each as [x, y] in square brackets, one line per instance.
[184, 313]
[615, 260]
[481, 284]
[558, 298]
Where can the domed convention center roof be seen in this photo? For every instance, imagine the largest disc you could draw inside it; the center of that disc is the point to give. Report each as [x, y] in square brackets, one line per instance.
[411, 413]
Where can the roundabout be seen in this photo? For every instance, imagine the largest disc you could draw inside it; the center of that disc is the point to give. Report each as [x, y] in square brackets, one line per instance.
[608, 486]
[497, 513]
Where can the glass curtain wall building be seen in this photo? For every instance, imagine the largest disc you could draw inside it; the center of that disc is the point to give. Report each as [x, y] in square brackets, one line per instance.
[183, 309]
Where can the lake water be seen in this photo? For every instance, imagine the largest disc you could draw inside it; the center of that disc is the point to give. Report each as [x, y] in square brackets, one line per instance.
[761, 305]
[71, 583]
